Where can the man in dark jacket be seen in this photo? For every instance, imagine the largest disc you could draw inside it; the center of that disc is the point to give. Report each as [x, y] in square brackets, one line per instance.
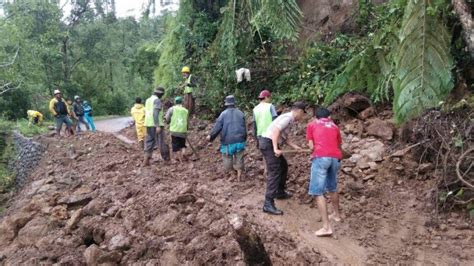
[79, 112]
[232, 128]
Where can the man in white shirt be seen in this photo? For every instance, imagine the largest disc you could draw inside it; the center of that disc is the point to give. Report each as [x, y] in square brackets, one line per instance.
[277, 166]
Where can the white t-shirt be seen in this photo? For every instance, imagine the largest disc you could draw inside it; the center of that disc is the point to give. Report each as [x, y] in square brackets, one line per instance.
[282, 122]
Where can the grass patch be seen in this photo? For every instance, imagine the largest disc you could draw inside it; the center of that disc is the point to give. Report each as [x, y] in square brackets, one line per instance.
[31, 130]
[7, 179]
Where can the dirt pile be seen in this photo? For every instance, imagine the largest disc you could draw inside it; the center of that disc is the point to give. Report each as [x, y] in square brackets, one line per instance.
[90, 202]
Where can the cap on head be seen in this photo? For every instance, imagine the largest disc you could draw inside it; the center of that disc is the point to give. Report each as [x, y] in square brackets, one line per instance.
[86, 102]
[299, 105]
[178, 100]
[264, 94]
[76, 97]
[57, 92]
[159, 91]
[322, 113]
[185, 69]
[229, 100]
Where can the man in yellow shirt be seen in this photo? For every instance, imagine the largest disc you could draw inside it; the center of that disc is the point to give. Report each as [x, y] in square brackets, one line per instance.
[34, 117]
[138, 115]
[59, 109]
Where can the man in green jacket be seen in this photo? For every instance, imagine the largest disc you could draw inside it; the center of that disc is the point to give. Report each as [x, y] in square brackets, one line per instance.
[189, 89]
[155, 126]
[177, 116]
[263, 114]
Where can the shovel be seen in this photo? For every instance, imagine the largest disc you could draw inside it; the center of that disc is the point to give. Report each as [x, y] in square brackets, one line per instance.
[295, 151]
[192, 148]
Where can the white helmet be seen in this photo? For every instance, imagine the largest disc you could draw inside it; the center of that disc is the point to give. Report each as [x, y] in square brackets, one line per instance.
[76, 97]
[56, 92]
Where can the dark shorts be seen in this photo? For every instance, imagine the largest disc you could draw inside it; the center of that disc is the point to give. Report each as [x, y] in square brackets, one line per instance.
[178, 143]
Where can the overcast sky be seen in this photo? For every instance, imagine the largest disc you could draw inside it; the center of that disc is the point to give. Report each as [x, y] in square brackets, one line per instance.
[125, 8]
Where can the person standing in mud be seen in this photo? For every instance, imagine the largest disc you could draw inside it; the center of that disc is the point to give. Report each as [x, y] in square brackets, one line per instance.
[263, 114]
[177, 117]
[277, 166]
[189, 86]
[324, 138]
[138, 115]
[230, 125]
[155, 126]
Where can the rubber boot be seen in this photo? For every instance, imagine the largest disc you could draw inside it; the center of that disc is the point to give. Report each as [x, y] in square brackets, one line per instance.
[282, 195]
[146, 162]
[269, 207]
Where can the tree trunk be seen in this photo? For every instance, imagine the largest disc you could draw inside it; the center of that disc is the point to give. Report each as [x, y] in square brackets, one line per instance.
[249, 242]
[464, 13]
[64, 50]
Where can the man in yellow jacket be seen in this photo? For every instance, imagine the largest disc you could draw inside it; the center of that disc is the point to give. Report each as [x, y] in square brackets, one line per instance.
[138, 115]
[34, 117]
[59, 109]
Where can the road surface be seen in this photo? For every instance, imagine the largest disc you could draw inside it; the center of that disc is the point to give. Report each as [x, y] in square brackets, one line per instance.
[113, 125]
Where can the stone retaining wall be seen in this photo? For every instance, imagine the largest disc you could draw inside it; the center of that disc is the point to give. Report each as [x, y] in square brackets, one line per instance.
[28, 154]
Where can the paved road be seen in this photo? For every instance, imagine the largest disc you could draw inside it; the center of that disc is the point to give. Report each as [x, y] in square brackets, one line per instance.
[113, 125]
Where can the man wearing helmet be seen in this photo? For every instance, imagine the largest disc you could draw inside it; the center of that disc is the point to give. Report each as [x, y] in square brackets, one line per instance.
[79, 112]
[189, 86]
[59, 109]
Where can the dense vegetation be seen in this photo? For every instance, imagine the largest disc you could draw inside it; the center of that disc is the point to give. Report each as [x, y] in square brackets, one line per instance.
[403, 51]
[90, 52]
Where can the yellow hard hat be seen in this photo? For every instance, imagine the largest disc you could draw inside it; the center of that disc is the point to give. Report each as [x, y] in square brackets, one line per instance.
[185, 70]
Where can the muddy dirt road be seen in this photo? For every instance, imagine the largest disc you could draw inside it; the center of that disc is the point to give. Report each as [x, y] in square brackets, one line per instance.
[92, 203]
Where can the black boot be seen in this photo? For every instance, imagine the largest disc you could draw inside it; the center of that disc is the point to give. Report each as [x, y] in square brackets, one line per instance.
[283, 195]
[269, 207]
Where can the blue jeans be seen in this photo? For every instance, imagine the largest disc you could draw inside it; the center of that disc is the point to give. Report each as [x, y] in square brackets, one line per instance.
[323, 175]
[80, 119]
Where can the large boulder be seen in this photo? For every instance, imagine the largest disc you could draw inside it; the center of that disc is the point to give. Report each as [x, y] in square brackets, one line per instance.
[33, 231]
[380, 128]
[352, 102]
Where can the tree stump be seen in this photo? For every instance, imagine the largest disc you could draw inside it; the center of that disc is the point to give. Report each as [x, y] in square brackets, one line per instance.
[249, 242]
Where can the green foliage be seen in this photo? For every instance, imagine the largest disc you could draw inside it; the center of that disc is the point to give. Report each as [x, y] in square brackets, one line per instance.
[282, 17]
[215, 44]
[311, 77]
[423, 62]
[6, 154]
[106, 60]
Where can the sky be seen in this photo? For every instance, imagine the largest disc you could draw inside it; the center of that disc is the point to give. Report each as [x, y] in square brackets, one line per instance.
[125, 8]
